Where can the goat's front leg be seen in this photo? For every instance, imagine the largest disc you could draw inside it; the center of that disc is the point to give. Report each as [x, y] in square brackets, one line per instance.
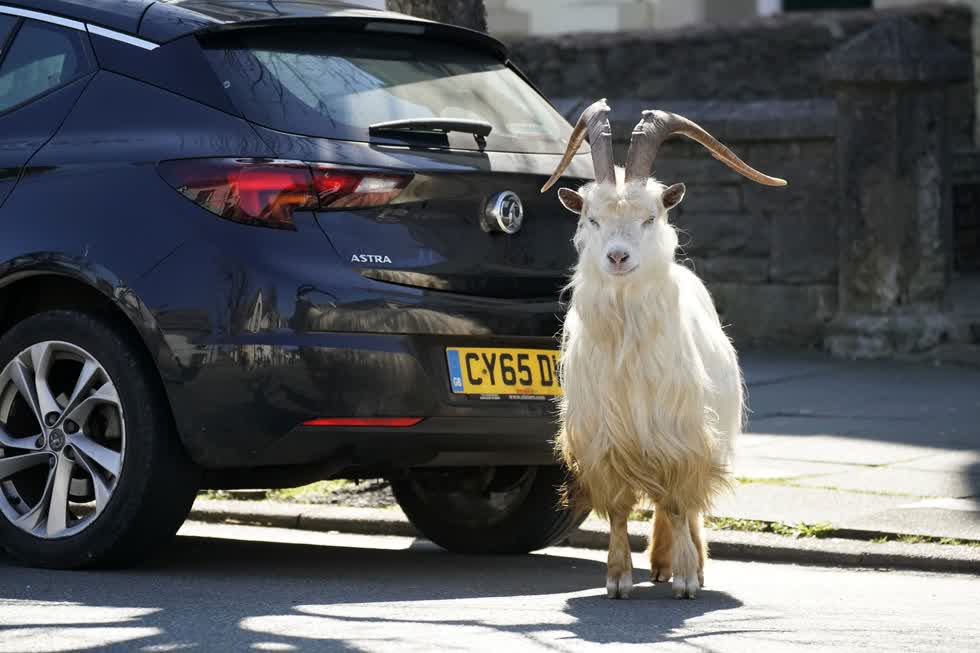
[685, 558]
[661, 543]
[619, 575]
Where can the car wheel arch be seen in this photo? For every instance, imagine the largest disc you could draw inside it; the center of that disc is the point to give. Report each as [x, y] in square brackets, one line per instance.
[29, 292]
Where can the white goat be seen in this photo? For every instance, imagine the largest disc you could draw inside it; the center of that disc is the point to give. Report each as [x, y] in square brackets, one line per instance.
[653, 396]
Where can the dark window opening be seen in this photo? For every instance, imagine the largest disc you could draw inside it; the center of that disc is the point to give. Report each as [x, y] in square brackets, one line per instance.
[966, 228]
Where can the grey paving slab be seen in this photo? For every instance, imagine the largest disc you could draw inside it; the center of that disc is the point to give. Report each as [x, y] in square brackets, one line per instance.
[768, 368]
[879, 389]
[900, 481]
[962, 462]
[933, 522]
[842, 450]
[937, 434]
[794, 505]
[760, 467]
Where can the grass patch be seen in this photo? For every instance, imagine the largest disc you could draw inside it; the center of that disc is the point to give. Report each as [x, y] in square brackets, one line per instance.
[729, 524]
[306, 493]
[213, 494]
[779, 528]
[766, 481]
[753, 525]
[924, 539]
[803, 530]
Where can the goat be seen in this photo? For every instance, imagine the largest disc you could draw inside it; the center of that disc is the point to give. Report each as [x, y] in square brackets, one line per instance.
[653, 391]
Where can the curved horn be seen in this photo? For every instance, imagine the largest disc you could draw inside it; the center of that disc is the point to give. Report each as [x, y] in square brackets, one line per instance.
[658, 126]
[594, 123]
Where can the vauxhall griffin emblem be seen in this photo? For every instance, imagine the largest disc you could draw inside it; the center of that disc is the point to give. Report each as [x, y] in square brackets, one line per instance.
[504, 212]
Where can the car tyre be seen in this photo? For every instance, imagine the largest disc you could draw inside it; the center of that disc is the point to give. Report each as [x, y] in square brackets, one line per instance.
[500, 510]
[143, 505]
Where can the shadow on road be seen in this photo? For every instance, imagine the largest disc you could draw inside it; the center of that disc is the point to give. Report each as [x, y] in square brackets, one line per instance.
[216, 594]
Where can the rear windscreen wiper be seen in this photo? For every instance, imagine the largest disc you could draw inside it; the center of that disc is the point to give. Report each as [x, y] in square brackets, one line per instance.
[440, 126]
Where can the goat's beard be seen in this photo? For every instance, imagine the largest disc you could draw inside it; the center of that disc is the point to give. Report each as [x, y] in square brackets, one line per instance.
[622, 315]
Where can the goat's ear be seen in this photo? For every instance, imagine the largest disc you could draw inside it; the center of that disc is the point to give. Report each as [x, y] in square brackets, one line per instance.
[673, 195]
[570, 200]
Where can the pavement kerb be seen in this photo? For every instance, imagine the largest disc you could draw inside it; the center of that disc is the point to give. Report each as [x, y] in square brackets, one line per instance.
[724, 545]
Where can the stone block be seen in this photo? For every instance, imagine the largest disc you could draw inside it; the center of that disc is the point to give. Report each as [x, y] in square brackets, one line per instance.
[803, 216]
[736, 121]
[761, 315]
[730, 269]
[898, 50]
[856, 335]
[707, 234]
[713, 197]
[804, 248]
[698, 169]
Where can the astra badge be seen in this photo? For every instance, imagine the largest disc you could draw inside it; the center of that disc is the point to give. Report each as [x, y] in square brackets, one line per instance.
[369, 258]
[504, 212]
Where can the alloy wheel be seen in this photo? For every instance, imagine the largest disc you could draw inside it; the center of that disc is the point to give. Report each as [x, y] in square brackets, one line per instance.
[62, 439]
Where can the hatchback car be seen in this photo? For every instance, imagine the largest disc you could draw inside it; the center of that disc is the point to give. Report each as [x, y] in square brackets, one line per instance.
[257, 244]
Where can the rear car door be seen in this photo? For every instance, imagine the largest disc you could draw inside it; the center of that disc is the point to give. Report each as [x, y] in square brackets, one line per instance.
[43, 70]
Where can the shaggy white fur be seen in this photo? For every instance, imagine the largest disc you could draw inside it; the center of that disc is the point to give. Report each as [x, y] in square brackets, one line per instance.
[653, 393]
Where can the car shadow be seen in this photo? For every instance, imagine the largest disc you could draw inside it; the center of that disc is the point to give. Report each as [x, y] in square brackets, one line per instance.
[218, 594]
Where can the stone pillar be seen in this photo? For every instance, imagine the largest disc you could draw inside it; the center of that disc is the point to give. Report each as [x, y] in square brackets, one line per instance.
[894, 201]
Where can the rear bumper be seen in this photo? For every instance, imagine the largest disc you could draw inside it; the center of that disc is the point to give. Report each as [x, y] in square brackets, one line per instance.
[244, 405]
[436, 441]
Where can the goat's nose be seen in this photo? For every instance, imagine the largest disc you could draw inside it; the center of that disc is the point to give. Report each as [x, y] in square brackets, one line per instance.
[617, 256]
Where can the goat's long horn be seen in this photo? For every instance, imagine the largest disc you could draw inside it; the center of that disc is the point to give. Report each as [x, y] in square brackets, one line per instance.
[658, 126]
[594, 123]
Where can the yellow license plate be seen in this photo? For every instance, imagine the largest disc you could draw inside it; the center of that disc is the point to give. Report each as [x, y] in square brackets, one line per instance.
[498, 371]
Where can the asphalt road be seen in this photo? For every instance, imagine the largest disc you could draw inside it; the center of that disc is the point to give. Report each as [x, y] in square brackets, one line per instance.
[236, 588]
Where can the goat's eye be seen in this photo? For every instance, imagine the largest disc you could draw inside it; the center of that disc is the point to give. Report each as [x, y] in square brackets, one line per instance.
[593, 222]
[649, 221]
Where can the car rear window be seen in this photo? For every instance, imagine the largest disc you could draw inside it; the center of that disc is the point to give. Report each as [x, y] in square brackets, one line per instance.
[336, 85]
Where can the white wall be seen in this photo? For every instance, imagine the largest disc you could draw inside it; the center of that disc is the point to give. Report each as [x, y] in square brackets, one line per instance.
[563, 16]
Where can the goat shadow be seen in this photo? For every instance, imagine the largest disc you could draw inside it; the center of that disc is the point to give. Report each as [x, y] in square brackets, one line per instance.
[210, 593]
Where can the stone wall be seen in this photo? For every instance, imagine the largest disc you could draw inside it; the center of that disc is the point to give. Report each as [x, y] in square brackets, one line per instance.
[776, 57]
[776, 260]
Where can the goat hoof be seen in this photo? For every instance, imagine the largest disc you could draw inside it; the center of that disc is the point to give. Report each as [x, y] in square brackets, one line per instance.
[686, 587]
[619, 587]
[661, 575]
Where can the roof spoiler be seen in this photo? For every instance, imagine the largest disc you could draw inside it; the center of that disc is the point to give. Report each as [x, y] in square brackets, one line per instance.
[382, 24]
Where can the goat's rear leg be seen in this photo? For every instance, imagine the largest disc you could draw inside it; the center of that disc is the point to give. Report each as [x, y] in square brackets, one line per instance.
[661, 543]
[696, 522]
[684, 557]
[619, 574]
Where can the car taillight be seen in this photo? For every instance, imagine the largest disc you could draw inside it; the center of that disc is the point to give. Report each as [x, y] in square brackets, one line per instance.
[343, 189]
[267, 193]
